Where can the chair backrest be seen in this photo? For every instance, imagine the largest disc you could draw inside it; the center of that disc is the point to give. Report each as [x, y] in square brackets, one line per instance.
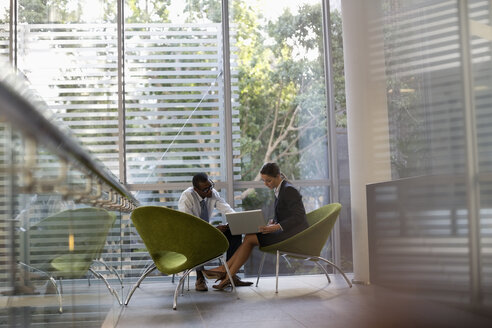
[66, 243]
[311, 240]
[165, 231]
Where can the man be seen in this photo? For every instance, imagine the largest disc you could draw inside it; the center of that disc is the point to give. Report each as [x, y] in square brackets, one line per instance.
[200, 200]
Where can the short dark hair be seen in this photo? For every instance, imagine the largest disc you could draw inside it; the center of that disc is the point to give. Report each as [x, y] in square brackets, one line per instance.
[270, 169]
[199, 177]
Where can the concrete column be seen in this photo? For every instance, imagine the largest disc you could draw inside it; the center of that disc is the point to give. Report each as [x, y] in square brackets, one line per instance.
[367, 117]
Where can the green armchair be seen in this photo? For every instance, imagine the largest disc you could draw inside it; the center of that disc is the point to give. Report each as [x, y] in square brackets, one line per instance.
[177, 242]
[66, 244]
[308, 243]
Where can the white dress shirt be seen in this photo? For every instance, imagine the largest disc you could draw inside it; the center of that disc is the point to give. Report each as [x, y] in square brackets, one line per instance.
[189, 202]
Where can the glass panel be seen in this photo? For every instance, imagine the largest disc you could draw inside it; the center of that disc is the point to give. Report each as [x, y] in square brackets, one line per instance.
[480, 20]
[282, 102]
[278, 50]
[174, 92]
[4, 31]
[56, 242]
[426, 128]
[70, 57]
[437, 57]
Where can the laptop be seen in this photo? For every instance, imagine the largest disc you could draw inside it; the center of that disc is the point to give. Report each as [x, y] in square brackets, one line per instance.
[245, 222]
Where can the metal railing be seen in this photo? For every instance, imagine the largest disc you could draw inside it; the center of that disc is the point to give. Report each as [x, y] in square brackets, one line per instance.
[27, 113]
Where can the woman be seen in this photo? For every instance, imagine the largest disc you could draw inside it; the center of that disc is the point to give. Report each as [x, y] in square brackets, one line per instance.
[289, 219]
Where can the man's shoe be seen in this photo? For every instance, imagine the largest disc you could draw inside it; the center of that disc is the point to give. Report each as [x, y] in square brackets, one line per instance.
[201, 284]
[239, 283]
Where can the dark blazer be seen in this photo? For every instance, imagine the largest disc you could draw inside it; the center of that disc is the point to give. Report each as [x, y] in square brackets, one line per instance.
[289, 213]
[289, 210]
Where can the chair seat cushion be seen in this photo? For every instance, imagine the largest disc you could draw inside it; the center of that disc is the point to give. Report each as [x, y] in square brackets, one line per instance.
[71, 265]
[169, 262]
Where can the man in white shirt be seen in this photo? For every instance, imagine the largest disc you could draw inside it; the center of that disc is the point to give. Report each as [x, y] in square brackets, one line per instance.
[200, 200]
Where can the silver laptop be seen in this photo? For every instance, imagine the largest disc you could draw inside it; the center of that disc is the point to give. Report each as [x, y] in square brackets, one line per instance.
[245, 222]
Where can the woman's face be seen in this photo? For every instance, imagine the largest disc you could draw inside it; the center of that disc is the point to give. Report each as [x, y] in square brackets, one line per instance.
[270, 182]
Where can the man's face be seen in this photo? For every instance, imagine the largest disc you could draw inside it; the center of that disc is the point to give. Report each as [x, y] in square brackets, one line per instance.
[204, 189]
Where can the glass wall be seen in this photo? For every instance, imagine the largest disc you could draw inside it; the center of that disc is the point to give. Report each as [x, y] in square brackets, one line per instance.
[174, 92]
[143, 87]
[428, 68]
[70, 56]
[4, 31]
[60, 215]
[283, 101]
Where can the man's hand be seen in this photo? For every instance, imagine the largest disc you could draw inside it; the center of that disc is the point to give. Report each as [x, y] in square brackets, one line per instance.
[223, 227]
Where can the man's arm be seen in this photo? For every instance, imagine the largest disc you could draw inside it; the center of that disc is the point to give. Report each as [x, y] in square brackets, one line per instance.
[221, 205]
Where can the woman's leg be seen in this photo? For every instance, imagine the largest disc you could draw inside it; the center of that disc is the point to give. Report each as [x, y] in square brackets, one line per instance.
[241, 255]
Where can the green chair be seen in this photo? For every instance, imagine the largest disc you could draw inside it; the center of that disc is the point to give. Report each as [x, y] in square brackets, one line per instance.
[308, 243]
[177, 242]
[65, 245]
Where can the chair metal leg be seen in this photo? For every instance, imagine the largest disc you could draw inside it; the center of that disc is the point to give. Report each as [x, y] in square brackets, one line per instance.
[224, 262]
[60, 300]
[172, 279]
[52, 280]
[276, 271]
[324, 270]
[261, 268]
[111, 289]
[137, 284]
[336, 267]
[180, 286]
[321, 259]
[61, 285]
[111, 269]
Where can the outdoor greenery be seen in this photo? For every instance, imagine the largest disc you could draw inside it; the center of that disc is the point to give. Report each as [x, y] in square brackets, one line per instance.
[282, 86]
[282, 93]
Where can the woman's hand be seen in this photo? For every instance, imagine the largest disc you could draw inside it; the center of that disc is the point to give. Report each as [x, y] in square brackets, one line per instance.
[269, 228]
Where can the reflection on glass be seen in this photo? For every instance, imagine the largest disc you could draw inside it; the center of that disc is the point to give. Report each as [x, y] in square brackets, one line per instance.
[59, 244]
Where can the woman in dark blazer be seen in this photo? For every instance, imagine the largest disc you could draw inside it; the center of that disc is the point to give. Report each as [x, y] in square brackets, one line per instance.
[289, 219]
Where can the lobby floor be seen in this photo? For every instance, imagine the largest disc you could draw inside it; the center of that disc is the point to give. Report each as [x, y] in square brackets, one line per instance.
[302, 301]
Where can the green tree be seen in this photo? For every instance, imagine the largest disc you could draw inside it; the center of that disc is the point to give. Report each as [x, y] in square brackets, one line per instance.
[48, 11]
[282, 90]
[152, 11]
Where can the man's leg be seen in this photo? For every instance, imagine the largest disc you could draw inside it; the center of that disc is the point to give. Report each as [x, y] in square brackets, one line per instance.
[201, 283]
[234, 243]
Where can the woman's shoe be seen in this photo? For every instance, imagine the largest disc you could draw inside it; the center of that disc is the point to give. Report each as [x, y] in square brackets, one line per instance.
[223, 284]
[213, 274]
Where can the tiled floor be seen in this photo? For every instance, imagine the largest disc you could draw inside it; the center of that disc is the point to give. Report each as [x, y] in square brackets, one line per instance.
[302, 301]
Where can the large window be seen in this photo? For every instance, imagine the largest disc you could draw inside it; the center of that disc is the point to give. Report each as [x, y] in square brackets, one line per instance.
[144, 87]
[283, 102]
[70, 56]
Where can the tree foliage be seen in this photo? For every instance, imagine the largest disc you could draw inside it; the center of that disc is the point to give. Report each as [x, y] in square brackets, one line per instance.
[282, 92]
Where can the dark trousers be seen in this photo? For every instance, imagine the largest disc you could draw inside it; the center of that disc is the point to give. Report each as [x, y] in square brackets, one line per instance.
[234, 242]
